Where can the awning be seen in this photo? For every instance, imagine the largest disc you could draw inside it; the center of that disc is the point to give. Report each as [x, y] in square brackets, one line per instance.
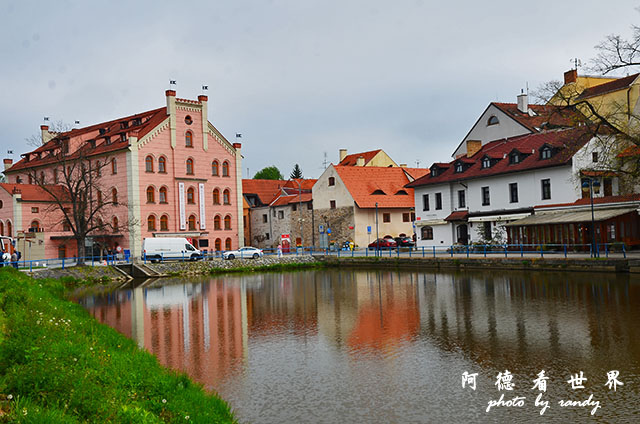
[457, 216]
[431, 222]
[564, 217]
[500, 218]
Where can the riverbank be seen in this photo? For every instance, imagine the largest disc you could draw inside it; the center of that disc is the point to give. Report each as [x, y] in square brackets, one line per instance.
[58, 364]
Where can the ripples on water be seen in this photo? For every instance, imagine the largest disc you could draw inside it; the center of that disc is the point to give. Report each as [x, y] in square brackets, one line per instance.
[380, 346]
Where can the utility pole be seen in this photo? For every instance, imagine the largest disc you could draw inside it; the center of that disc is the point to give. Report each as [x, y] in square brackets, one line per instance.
[377, 235]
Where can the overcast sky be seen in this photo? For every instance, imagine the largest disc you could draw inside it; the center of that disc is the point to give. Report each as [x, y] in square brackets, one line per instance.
[297, 78]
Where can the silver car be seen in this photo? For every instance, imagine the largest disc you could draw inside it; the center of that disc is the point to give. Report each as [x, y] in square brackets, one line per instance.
[243, 253]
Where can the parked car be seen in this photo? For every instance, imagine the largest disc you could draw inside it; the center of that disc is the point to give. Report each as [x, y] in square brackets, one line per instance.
[169, 248]
[404, 242]
[243, 253]
[383, 243]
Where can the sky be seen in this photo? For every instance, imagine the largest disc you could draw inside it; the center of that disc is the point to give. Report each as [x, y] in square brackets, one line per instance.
[299, 79]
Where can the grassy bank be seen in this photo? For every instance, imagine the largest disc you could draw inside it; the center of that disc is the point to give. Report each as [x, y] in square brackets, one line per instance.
[58, 364]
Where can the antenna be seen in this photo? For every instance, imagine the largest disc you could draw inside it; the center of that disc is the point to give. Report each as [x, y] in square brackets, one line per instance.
[527, 84]
[577, 63]
[417, 163]
[325, 161]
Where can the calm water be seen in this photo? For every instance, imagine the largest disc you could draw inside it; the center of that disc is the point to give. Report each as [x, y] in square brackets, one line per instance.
[391, 347]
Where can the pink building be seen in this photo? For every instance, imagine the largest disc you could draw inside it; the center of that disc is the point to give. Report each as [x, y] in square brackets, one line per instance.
[170, 173]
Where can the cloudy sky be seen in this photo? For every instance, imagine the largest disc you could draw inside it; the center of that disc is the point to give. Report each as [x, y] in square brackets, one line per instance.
[298, 78]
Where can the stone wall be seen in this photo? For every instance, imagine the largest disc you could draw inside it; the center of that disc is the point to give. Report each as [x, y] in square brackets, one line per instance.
[339, 220]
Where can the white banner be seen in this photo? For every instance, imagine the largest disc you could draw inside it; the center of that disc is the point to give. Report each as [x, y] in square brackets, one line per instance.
[203, 215]
[183, 217]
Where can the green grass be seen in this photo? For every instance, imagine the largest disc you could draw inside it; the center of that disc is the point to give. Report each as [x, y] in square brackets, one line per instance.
[291, 266]
[59, 365]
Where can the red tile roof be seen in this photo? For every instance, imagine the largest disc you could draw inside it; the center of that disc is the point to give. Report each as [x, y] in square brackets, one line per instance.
[457, 216]
[545, 116]
[608, 87]
[150, 120]
[305, 184]
[351, 160]
[294, 198]
[362, 182]
[565, 143]
[416, 173]
[32, 192]
[266, 190]
[596, 201]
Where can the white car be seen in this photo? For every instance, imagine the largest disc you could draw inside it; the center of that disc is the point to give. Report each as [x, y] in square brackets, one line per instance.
[243, 253]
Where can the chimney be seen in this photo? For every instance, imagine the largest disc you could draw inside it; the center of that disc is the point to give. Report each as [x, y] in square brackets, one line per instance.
[46, 135]
[523, 103]
[205, 121]
[473, 147]
[343, 154]
[571, 76]
[7, 163]
[171, 101]
[360, 161]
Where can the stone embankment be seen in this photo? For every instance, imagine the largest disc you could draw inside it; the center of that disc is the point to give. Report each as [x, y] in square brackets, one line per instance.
[83, 273]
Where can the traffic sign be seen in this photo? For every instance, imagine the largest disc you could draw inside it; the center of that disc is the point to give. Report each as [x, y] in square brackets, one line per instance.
[368, 229]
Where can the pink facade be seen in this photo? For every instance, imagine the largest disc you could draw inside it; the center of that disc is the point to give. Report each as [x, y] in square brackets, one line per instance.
[168, 173]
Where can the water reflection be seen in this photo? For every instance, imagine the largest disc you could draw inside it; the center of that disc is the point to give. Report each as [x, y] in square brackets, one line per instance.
[369, 346]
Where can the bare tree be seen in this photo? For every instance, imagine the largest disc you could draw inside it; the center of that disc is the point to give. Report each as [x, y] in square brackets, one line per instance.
[78, 195]
[616, 53]
[58, 127]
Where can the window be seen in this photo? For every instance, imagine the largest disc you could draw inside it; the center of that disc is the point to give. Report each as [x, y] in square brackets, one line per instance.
[332, 204]
[546, 189]
[164, 223]
[486, 162]
[438, 201]
[216, 196]
[462, 201]
[219, 244]
[192, 222]
[280, 214]
[151, 196]
[65, 226]
[513, 192]
[162, 165]
[264, 217]
[225, 169]
[386, 217]
[227, 222]
[190, 196]
[1, 228]
[216, 223]
[188, 120]
[545, 153]
[266, 236]
[227, 244]
[611, 232]
[30, 179]
[406, 217]
[485, 196]
[55, 175]
[226, 197]
[42, 178]
[435, 171]
[162, 195]
[151, 223]
[332, 181]
[493, 120]
[114, 166]
[294, 207]
[114, 224]
[189, 166]
[35, 210]
[459, 167]
[486, 230]
[148, 164]
[98, 169]
[35, 226]
[594, 157]
[214, 168]
[425, 202]
[426, 233]
[514, 158]
[378, 192]
[188, 139]
[114, 196]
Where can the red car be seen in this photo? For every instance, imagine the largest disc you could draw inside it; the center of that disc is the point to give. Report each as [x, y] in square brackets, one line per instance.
[383, 244]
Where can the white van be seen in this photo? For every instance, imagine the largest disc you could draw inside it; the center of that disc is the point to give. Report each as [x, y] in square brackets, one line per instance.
[169, 248]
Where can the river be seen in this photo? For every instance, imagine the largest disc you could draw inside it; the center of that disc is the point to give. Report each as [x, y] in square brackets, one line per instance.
[368, 346]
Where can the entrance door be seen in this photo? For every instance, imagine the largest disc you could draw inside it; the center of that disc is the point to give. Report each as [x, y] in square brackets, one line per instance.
[462, 234]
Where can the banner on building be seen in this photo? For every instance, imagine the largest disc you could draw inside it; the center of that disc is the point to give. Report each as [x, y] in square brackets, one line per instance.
[181, 206]
[203, 215]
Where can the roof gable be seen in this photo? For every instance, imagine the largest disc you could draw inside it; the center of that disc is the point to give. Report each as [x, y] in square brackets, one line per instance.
[371, 185]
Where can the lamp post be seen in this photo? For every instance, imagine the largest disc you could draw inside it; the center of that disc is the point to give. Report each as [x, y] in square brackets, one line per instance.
[300, 213]
[592, 185]
[377, 235]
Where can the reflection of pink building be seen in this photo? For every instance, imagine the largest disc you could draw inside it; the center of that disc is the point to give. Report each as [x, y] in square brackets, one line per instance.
[175, 172]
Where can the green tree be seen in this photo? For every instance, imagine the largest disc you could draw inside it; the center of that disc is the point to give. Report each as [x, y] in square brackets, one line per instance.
[296, 173]
[269, 173]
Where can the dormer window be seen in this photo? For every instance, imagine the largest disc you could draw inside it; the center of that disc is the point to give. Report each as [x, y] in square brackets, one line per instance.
[123, 125]
[546, 152]
[459, 167]
[92, 143]
[402, 192]
[486, 162]
[103, 131]
[379, 192]
[136, 121]
[123, 137]
[107, 140]
[514, 157]
[493, 120]
[435, 171]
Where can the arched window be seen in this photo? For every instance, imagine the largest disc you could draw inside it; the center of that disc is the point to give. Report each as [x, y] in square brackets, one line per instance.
[427, 233]
[35, 226]
[216, 196]
[189, 166]
[164, 223]
[188, 139]
[191, 196]
[226, 197]
[151, 195]
[9, 229]
[114, 224]
[114, 196]
[148, 164]
[114, 166]
[214, 168]
[216, 223]
[192, 222]
[227, 244]
[218, 244]
[227, 222]
[1, 204]
[493, 120]
[1, 228]
[162, 195]
[225, 169]
[151, 223]
[162, 165]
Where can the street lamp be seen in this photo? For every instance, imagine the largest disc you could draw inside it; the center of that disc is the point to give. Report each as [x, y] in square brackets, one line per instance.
[592, 185]
[300, 213]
